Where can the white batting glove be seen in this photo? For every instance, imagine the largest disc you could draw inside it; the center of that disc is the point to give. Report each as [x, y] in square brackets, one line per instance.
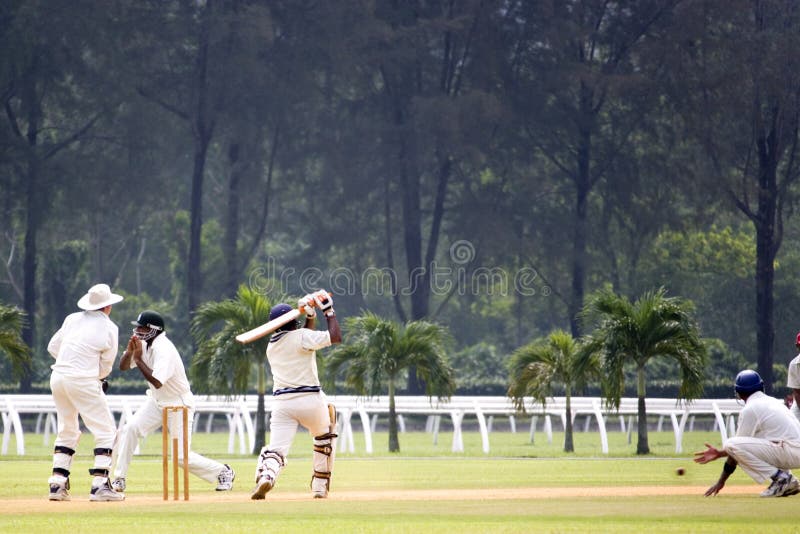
[324, 302]
[307, 304]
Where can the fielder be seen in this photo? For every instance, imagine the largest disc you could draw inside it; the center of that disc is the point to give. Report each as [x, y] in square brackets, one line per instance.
[766, 445]
[298, 397]
[85, 348]
[793, 380]
[150, 351]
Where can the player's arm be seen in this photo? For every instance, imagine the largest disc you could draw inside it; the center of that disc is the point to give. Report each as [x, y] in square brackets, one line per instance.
[147, 373]
[710, 454]
[134, 346]
[727, 469]
[324, 302]
[54, 344]
[108, 356]
[333, 327]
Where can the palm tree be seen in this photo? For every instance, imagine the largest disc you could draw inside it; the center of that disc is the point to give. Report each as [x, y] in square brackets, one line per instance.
[634, 332]
[222, 364]
[11, 322]
[378, 352]
[558, 358]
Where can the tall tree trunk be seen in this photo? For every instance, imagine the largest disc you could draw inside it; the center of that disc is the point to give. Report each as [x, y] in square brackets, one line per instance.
[765, 261]
[578, 259]
[583, 186]
[231, 238]
[33, 218]
[261, 412]
[642, 445]
[394, 442]
[203, 127]
[194, 282]
[568, 443]
[421, 267]
[412, 226]
[417, 271]
[29, 266]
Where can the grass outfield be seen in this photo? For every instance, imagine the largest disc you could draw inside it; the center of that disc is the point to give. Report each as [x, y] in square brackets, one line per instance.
[519, 487]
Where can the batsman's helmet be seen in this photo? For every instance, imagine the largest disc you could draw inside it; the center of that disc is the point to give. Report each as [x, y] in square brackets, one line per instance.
[748, 382]
[281, 309]
[278, 310]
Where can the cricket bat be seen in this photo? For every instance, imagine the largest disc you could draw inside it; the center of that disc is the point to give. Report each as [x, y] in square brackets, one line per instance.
[268, 328]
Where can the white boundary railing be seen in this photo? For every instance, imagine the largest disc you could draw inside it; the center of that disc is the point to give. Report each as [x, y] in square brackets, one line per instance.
[240, 413]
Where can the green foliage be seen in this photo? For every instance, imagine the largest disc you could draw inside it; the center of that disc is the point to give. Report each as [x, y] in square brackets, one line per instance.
[536, 367]
[487, 103]
[727, 252]
[556, 359]
[629, 332]
[480, 369]
[11, 344]
[377, 352]
[222, 365]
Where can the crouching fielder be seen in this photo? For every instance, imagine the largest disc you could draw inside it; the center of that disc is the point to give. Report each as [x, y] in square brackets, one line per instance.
[766, 445]
[298, 397]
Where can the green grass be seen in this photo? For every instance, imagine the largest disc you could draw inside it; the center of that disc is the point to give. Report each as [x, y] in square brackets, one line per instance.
[513, 463]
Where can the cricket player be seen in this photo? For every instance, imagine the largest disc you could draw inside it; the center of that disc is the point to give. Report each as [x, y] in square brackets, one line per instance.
[157, 359]
[84, 348]
[793, 380]
[298, 397]
[766, 445]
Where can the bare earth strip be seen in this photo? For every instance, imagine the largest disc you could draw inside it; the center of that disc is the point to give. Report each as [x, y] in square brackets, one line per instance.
[80, 503]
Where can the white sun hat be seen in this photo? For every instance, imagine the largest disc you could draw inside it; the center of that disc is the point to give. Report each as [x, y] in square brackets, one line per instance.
[99, 296]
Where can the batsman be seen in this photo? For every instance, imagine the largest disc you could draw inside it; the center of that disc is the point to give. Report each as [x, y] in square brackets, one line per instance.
[298, 397]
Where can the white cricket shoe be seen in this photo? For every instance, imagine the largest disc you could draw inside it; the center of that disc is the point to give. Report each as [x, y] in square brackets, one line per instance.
[225, 479]
[118, 484]
[782, 486]
[264, 484]
[105, 493]
[59, 487]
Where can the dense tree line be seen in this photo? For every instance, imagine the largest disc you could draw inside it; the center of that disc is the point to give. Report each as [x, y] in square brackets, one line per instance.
[484, 164]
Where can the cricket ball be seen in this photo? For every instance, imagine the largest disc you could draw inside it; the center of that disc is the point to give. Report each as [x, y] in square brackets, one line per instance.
[680, 471]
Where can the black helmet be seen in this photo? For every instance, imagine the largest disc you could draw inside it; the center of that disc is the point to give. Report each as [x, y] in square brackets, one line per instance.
[150, 319]
[748, 382]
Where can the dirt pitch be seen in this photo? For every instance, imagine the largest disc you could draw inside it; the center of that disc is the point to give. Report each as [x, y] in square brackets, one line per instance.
[80, 503]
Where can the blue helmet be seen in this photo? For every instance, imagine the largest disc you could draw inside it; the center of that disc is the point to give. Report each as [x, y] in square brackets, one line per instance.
[282, 309]
[278, 310]
[748, 382]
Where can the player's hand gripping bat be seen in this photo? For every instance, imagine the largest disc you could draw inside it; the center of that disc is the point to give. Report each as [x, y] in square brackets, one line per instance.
[269, 327]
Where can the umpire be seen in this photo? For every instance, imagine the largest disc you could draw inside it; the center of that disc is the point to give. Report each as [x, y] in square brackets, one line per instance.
[85, 348]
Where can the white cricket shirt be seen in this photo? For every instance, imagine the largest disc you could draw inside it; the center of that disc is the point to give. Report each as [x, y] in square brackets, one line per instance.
[767, 418]
[85, 346]
[793, 378]
[163, 358]
[293, 358]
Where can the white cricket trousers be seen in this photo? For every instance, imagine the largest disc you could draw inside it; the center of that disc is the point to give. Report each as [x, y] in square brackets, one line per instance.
[291, 409]
[82, 397]
[760, 458]
[147, 420]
